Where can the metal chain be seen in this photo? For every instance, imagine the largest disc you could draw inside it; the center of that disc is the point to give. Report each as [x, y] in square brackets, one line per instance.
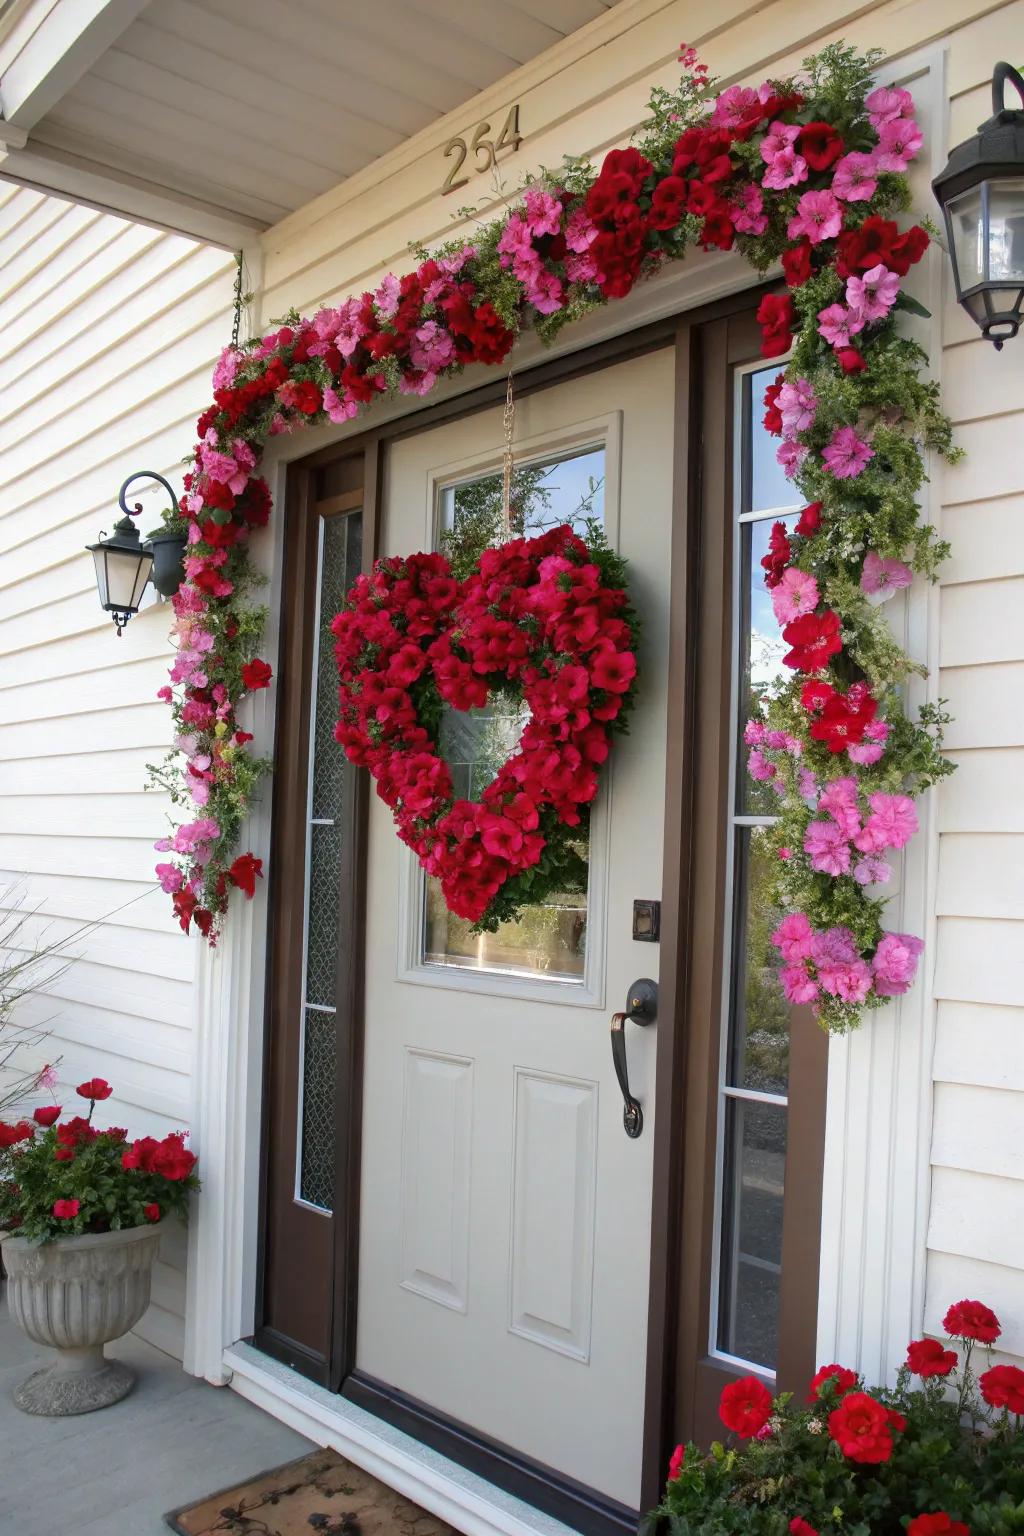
[506, 473]
[236, 328]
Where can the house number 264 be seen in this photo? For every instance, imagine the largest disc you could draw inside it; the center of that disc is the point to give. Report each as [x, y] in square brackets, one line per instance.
[484, 150]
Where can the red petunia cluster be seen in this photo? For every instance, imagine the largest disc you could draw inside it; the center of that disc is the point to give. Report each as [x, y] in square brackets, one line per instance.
[170, 1157]
[534, 615]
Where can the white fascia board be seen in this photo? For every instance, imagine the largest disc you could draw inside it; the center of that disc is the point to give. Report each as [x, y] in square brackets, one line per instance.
[98, 186]
[72, 35]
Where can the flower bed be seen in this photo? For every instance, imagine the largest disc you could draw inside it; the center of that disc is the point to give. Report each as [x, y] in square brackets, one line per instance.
[942, 1458]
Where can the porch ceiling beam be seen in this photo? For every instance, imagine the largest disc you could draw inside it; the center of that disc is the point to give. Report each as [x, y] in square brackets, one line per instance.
[69, 39]
[99, 186]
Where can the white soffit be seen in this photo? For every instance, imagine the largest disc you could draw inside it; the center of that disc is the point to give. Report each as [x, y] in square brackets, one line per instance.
[219, 117]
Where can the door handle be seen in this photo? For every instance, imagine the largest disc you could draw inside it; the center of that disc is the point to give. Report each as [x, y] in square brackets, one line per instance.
[642, 1008]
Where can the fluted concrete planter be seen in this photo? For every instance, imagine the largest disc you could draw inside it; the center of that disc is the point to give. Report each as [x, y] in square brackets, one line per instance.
[75, 1294]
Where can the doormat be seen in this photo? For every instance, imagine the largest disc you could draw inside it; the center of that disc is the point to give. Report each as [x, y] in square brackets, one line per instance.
[321, 1492]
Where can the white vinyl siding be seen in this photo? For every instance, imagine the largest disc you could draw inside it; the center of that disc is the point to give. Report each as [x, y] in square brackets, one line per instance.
[108, 334]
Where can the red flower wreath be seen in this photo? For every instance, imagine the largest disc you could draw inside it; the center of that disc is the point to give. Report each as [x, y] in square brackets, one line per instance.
[544, 619]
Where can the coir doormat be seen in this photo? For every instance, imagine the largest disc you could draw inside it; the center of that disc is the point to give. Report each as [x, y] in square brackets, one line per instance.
[321, 1492]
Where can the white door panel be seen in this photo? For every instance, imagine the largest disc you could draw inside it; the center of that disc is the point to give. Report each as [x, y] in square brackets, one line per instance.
[505, 1218]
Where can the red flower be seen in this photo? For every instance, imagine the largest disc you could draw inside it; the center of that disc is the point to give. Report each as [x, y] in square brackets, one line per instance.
[151, 1211]
[668, 203]
[75, 1132]
[812, 640]
[850, 360]
[303, 395]
[613, 670]
[172, 1158]
[244, 871]
[843, 720]
[796, 263]
[745, 1406]
[879, 240]
[778, 557]
[46, 1114]
[1003, 1387]
[777, 319]
[837, 1377]
[937, 1525]
[820, 145]
[95, 1088]
[800, 1527]
[926, 1357]
[676, 1460]
[972, 1320]
[184, 903]
[66, 1210]
[11, 1135]
[257, 674]
[862, 1429]
[241, 737]
[809, 520]
[772, 415]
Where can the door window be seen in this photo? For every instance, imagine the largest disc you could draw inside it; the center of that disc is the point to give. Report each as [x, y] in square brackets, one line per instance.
[548, 941]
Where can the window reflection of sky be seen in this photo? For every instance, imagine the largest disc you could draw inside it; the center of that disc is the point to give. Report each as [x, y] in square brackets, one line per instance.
[768, 484]
[766, 646]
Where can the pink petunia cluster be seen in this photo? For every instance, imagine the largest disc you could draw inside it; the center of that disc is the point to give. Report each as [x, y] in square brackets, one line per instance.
[816, 961]
[797, 406]
[842, 831]
[762, 742]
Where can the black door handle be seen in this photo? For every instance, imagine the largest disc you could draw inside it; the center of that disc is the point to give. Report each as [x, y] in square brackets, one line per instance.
[642, 1008]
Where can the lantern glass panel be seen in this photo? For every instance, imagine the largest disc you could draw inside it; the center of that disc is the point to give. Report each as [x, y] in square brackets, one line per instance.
[1006, 230]
[126, 574]
[966, 228]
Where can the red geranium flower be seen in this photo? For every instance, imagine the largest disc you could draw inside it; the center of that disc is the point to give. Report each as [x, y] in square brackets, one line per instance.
[837, 1377]
[257, 674]
[745, 1406]
[972, 1320]
[95, 1088]
[779, 554]
[184, 903]
[862, 1429]
[66, 1210]
[676, 1460]
[809, 520]
[11, 1135]
[668, 203]
[796, 263]
[937, 1525]
[850, 360]
[772, 415]
[777, 319]
[46, 1114]
[801, 1527]
[843, 721]
[812, 639]
[151, 1211]
[243, 873]
[926, 1357]
[1003, 1387]
[820, 145]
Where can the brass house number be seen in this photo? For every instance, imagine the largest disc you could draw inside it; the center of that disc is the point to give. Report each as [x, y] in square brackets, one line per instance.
[482, 148]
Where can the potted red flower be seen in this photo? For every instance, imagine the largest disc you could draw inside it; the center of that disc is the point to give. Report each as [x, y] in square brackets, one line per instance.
[80, 1214]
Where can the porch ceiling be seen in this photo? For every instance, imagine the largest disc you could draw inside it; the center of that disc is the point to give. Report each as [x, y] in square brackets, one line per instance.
[221, 116]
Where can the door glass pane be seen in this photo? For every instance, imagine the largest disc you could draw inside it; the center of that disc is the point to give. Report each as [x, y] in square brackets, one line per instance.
[766, 483]
[755, 1161]
[761, 651]
[340, 563]
[548, 941]
[759, 1044]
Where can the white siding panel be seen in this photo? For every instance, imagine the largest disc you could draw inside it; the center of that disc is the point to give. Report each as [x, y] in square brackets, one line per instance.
[988, 469]
[981, 875]
[985, 793]
[987, 705]
[987, 539]
[982, 622]
[107, 337]
[978, 1217]
[980, 961]
[979, 1045]
[951, 1277]
[980, 1130]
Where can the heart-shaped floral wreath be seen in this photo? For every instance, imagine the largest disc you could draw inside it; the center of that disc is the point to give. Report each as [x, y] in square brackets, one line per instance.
[543, 621]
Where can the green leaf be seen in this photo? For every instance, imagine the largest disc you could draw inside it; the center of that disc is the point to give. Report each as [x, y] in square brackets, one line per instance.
[912, 306]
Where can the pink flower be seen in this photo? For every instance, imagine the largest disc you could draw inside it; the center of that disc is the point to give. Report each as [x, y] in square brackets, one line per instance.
[733, 105]
[747, 210]
[872, 870]
[855, 178]
[895, 963]
[849, 980]
[797, 404]
[227, 366]
[339, 407]
[837, 324]
[795, 594]
[892, 823]
[885, 105]
[794, 937]
[847, 454]
[881, 578]
[874, 294]
[833, 945]
[543, 212]
[818, 216]
[780, 136]
[580, 231]
[432, 347]
[876, 733]
[544, 291]
[807, 786]
[170, 877]
[839, 800]
[797, 984]
[164, 693]
[790, 455]
[753, 733]
[826, 845]
[387, 296]
[898, 143]
[759, 767]
[788, 169]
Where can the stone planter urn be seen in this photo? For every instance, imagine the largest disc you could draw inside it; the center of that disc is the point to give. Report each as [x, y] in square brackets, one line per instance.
[75, 1294]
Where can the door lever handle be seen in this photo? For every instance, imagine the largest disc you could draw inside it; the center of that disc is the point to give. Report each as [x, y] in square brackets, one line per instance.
[642, 1008]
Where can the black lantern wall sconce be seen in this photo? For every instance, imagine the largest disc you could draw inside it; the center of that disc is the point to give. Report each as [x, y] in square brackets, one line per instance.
[981, 192]
[124, 563]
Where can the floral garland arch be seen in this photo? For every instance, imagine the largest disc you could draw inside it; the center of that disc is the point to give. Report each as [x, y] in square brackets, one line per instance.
[806, 172]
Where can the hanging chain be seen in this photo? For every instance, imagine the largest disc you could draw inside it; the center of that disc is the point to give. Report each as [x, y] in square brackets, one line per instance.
[506, 473]
[239, 300]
